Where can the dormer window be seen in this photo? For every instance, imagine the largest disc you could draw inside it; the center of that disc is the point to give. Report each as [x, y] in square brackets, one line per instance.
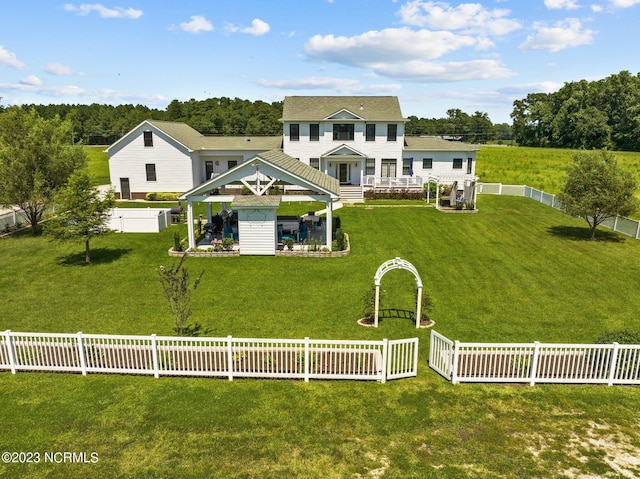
[343, 131]
[148, 138]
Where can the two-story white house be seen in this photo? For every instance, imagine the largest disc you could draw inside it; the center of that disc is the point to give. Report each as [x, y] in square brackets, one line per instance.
[358, 140]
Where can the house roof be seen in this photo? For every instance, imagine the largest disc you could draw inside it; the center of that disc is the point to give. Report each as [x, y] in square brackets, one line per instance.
[194, 140]
[302, 170]
[435, 143]
[253, 201]
[371, 108]
[277, 164]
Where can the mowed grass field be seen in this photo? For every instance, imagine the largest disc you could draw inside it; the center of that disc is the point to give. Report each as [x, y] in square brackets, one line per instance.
[515, 271]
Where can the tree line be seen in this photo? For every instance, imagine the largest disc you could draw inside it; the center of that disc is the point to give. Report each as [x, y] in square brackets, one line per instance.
[99, 124]
[584, 114]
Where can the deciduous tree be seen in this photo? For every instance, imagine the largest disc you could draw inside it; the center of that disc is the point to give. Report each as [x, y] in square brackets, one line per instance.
[82, 212]
[596, 188]
[37, 156]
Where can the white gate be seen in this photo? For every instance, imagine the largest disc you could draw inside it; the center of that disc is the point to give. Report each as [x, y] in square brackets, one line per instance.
[402, 358]
[441, 355]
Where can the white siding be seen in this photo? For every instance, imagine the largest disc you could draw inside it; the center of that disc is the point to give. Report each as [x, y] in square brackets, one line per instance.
[174, 172]
[442, 163]
[257, 231]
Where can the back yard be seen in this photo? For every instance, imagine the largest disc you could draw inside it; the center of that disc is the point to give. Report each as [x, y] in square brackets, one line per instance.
[515, 271]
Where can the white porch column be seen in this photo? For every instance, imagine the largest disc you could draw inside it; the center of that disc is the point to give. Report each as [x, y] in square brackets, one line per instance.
[192, 234]
[437, 194]
[209, 214]
[329, 225]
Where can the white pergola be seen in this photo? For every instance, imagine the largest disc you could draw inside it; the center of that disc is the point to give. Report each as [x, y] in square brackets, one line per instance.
[259, 174]
[469, 182]
[397, 263]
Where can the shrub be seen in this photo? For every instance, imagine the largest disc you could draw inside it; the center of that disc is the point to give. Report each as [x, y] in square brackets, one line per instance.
[227, 244]
[177, 242]
[154, 196]
[341, 243]
[245, 191]
[622, 336]
[394, 194]
[289, 244]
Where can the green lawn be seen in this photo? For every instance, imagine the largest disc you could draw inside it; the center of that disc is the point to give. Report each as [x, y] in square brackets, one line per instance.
[98, 164]
[514, 271]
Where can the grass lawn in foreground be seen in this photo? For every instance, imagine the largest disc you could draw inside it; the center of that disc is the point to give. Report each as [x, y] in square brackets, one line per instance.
[516, 271]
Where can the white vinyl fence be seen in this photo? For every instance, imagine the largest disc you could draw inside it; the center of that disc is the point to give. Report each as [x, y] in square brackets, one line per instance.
[12, 218]
[216, 357]
[139, 220]
[621, 224]
[535, 362]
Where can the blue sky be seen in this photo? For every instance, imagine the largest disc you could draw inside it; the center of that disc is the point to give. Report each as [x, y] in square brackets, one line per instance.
[476, 56]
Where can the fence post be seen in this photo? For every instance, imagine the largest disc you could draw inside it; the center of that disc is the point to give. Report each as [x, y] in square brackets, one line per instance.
[534, 364]
[83, 361]
[613, 365]
[230, 357]
[615, 223]
[306, 359]
[10, 351]
[154, 355]
[385, 355]
[500, 189]
[454, 369]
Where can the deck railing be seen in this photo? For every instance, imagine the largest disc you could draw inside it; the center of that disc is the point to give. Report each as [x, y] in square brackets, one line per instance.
[216, 357]
[535, 362]
[393, 182]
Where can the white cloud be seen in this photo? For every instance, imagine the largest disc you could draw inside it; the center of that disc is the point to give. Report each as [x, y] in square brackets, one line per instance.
[436, 72]
[526, 88]
[58, 69]
[624, 3]
[257, 28]
[197, 24]
[31, 80]
[342, 85]
[393, 45]
[9, 59]
[466, 17]
[563, 34]
[104, 12]
[559, 4]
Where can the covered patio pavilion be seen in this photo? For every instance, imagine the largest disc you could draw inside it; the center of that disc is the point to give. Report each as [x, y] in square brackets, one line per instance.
[257, 226]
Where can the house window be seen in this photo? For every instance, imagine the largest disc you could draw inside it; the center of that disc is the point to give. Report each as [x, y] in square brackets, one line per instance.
[151, 171]
[371, 132]
[208, 170]
[469, 165]
[427, 163]
[370, 167]
[314, 132]
[343, 131]
[294, 132]
[148, 138]
[407, 166]
[457, 163]
[388, 168]
[314, 163]
[392, 132]
[232, 163]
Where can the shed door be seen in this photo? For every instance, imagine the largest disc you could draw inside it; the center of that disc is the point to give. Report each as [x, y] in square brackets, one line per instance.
[257, 231]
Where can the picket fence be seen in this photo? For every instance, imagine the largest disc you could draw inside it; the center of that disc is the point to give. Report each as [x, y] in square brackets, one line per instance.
[12, 218]
[216, 357]
[621, 224]
[535, 362]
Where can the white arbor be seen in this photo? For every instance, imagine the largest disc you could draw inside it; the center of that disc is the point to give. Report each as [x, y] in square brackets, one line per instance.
[397, 263]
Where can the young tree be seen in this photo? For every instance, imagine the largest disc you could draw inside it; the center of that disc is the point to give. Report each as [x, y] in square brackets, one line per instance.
[177, 290]
[596, 188]
[82, 212]
[36, 159]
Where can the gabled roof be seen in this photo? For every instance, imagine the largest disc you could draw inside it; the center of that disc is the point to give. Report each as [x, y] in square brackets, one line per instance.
[435, 143]
[317, 108]
[253, 201]
[274, 163]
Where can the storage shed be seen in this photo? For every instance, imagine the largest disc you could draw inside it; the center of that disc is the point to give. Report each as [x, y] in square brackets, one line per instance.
[256, 223]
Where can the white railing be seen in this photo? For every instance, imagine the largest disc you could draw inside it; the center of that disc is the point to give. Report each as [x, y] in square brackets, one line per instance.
[216, 357]
[535, 362]
[393, 182]
[621, 224]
